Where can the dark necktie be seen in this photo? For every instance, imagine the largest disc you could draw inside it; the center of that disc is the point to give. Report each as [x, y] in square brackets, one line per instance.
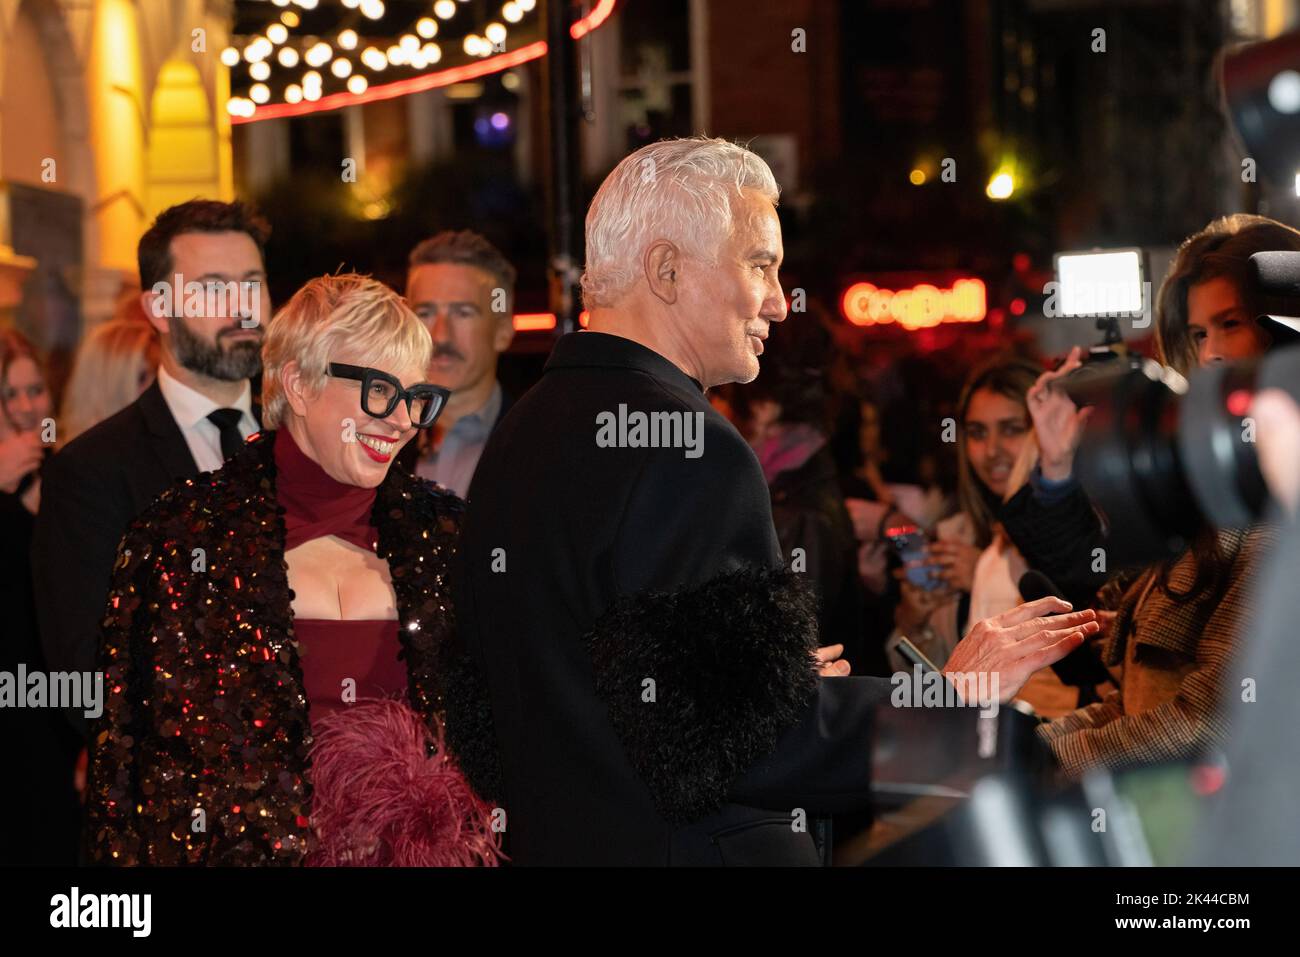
[227, 420]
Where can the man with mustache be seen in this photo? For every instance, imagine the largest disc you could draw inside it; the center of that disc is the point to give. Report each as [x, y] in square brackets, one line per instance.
[463, 289]
[204, 290]
[641, 681]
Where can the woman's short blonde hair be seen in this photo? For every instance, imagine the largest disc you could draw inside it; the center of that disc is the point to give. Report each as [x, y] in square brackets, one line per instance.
[327, 316]
[115, 359]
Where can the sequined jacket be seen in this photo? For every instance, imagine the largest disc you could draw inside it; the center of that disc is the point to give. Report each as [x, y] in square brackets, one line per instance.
[200, 755]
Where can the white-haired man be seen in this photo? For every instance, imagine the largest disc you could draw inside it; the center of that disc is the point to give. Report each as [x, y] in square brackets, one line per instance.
[642, 683]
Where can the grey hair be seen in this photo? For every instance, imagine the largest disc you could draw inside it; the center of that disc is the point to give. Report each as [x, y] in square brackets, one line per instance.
[680, 190]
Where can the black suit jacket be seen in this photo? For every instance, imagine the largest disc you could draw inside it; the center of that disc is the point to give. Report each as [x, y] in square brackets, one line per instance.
[90, 492]
[648, 694]
[409, 457]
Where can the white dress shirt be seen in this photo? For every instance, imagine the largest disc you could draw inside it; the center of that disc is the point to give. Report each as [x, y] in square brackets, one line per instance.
[190, 410]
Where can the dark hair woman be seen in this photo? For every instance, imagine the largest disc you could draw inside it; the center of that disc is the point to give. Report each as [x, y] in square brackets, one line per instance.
[786, 412]
[1177, 623]
[978, 566]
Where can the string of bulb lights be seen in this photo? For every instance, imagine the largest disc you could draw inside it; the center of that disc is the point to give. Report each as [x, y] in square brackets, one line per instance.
[415, 48]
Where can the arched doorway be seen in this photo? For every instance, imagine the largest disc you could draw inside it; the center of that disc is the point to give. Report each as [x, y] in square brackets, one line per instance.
[181, 161]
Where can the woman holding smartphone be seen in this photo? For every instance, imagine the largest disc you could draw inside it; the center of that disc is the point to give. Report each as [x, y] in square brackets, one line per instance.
[971, 570]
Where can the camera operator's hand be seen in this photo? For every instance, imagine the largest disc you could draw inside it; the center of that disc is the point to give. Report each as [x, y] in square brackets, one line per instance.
[1017, 643]
[1058, 423]
[1277, 419]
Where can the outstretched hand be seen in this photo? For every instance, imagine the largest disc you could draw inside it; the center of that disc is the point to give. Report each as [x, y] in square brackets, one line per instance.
[1019, 642]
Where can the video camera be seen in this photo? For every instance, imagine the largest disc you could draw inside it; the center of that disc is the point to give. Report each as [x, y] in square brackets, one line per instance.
[1162, 457]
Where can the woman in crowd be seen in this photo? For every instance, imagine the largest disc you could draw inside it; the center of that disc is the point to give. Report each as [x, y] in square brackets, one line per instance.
[38, 740]
[1178, 623]
[276, 629]
[974, 566]
[786, 413]
[116, 361]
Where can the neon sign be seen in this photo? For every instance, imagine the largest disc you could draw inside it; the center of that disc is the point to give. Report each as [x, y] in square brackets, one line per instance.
[919, 307]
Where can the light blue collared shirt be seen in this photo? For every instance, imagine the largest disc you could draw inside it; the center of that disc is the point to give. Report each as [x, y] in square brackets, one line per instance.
[452, 464]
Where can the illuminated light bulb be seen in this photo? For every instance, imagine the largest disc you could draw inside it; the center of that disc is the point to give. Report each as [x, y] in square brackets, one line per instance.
[259, 49]
[426, 27]
[293, 93]
[510, 80]
[290, 19]
[512, 12]
[260, 70]
[495, 33]
[357, 84]
[259, 93]
[310, 78]
[416, 61]
[287, 56]
[431, 53]
[232, 106]
[526, 5]
[374, 58]
[311, 93]
[341, 68]
[229, 56]
[319, 54]
[372, 9]
[396, 55]
[351, 4]
[277, 33]
[348, 39]
[1284, 92]
[471, 44]
[444, 9]
[916, 177]
[307, 4]
[280, 3]
[409, 43]
[1001, 186]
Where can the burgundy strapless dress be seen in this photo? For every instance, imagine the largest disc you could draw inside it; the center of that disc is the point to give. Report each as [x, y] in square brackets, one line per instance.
[363, 653]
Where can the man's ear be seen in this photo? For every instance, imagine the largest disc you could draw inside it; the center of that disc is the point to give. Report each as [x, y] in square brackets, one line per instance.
[294, 387]
[157, 304]
[663, 264]
[504, 334]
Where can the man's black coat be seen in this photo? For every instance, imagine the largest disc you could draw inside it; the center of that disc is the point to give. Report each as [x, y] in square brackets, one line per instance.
[638, 684]
[90, 492]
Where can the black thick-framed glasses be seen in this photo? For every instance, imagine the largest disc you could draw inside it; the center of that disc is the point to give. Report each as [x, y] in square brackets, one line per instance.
[380, 393]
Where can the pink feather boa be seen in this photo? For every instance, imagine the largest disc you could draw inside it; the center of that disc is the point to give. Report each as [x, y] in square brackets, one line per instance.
[379, 801]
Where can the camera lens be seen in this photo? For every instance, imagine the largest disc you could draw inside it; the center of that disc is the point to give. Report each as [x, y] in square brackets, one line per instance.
[1161, 458]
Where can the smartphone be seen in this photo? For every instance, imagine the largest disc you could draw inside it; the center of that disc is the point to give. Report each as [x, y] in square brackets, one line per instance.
[914, 655]
[909, 542]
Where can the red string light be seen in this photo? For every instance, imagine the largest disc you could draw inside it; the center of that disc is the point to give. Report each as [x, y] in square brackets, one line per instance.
[432, 80]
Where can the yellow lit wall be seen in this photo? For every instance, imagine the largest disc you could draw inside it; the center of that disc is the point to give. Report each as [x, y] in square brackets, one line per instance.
[182, 157]
[114, 87]
[29, 116]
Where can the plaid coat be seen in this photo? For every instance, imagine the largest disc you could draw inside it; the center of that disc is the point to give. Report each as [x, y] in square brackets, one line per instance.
[1176, 657]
